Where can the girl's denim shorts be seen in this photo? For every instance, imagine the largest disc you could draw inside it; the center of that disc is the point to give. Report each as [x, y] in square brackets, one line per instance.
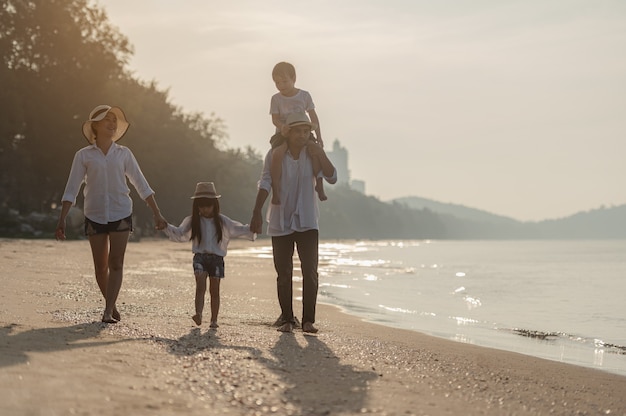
[210, 263]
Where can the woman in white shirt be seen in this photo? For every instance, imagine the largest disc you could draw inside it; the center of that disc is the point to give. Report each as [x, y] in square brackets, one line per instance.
[103, 167]
[209, 232]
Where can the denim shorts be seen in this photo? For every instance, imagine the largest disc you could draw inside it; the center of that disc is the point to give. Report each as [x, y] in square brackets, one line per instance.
[93, 228]
[210, 263]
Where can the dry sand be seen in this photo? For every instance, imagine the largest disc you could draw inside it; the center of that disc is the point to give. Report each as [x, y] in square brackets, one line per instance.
[56, 358]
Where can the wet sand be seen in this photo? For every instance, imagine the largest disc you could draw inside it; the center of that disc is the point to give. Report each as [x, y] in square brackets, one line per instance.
[57, 358]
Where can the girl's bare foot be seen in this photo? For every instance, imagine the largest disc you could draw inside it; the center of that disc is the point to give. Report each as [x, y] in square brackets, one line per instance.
[116, 315]
[197, 319]
[214, 324]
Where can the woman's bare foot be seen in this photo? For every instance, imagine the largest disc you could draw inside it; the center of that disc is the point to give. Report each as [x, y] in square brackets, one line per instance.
[214, 324]
[108, 318]
[116, 315]
[286, 327]
[197, 319]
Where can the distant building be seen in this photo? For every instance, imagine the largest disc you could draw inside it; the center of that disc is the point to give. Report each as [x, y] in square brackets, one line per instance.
[339, 156]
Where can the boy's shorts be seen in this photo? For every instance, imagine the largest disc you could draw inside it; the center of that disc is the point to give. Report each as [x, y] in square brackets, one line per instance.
[93, 228]
[210, 263]
[278, 139]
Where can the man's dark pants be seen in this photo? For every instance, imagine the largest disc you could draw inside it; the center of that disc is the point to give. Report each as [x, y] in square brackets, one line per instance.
[307, 244]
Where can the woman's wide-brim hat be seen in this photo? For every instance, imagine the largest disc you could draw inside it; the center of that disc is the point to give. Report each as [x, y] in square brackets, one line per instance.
[98, 114]
[205, 190]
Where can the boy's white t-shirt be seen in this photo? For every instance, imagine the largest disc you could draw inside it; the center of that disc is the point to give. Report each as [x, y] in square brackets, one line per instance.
[283, 106]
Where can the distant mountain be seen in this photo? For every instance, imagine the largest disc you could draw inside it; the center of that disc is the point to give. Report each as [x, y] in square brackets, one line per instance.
[469, 223]
[598, 223]
[458, 211]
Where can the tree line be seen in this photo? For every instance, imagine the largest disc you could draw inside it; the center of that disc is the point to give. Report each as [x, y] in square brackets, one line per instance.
[61, 58]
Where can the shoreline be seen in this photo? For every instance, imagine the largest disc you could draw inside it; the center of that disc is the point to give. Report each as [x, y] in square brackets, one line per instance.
[57, 358]
[584, 350]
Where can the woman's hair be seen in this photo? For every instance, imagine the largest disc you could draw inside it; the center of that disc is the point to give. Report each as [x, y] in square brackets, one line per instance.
[196, 230]
[284, 69]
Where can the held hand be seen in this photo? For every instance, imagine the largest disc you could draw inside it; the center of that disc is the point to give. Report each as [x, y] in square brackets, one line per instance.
[256, 223]
[159, 222]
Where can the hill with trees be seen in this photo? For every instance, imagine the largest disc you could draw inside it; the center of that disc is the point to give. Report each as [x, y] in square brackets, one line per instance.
[59, 60]
[461, 222]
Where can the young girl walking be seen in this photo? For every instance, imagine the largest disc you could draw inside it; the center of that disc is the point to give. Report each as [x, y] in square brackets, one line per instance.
[209, 232]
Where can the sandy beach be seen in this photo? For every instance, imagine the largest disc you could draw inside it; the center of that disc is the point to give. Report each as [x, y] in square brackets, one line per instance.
[57, 358]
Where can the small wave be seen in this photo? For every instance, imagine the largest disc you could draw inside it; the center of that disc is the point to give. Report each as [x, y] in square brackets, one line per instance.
[612, 348]
[535, 334]
[554, 336]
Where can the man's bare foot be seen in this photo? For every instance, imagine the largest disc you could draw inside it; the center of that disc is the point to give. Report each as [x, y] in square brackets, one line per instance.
[197, 319]
[286, 327]
[308, 327]
[116, 315]
[214, 324]
[280, 321]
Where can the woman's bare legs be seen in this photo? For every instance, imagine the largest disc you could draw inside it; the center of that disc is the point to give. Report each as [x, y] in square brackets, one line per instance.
[108, 252]
[200, 292]
[214, 292]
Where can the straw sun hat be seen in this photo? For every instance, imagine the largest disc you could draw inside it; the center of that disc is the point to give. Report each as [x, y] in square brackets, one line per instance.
[205, 190]
[98, 114]
[299, 119]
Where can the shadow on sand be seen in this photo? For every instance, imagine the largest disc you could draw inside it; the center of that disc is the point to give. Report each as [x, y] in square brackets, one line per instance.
[314, 380]
[14, 347]
[320, 384]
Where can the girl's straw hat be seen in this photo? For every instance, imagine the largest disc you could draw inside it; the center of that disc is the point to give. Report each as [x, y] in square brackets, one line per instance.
[98, 114]
[205, 190]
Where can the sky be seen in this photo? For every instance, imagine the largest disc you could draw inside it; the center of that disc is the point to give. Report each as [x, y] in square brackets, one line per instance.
[517, 108]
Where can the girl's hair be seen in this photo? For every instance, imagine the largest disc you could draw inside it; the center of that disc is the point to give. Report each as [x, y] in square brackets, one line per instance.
[196, 230]
[284, 69]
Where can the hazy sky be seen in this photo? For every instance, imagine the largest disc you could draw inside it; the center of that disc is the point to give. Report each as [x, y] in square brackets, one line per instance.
[514, 107]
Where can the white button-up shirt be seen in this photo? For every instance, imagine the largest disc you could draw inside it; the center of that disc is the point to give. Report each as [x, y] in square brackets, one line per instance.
[107, 195]
[298, 210]
[209, 244]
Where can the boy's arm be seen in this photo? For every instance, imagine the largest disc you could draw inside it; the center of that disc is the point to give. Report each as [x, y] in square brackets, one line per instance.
[280, 126]
[318, 132]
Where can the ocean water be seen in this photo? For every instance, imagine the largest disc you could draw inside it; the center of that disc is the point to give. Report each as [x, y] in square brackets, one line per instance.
[559, 300]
